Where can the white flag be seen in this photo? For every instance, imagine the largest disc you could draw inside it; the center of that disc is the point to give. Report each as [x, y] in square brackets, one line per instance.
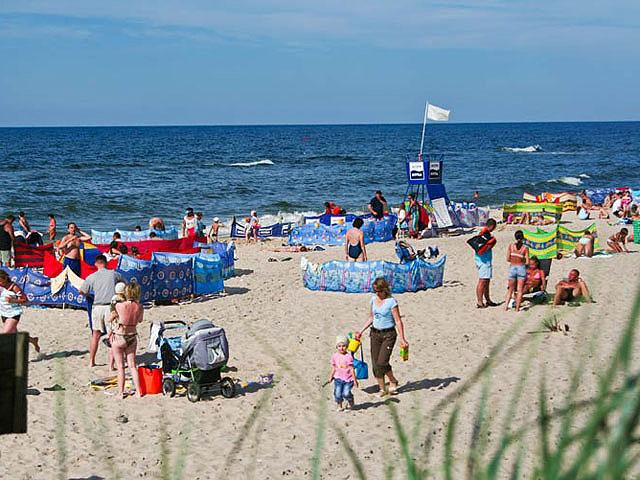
[438, 114]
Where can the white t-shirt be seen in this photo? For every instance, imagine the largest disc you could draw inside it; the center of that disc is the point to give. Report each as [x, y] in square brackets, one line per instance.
[617, 206]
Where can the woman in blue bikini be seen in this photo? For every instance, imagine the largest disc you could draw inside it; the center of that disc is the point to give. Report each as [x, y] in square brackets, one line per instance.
[354, 249]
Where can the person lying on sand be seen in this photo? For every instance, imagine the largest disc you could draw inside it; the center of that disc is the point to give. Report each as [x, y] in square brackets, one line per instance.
[617, 243]
[291, 249]
[571, 289]
[584, 247]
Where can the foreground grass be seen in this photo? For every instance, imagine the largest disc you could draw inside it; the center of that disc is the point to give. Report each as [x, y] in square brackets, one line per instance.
[595, 438]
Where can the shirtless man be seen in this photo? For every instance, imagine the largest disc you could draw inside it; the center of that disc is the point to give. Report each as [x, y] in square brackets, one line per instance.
[70, 247]
[571, 288]
[354, 248]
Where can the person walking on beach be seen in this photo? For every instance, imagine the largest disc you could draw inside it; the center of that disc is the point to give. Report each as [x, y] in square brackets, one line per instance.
[254, 225]
[11, 299]
[52, 227]
[518, 258]
[354, 247]
[189, 224]
[343, 374]
[70, 247]
[199, 225]
[484, 265]
[213, 230]
[386, 324]
[102, 284]
[377, 205]
[7, 237]
[24, 224]
[124, 341]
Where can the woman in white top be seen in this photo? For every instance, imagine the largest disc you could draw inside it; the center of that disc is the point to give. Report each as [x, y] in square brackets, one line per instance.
[11, 299]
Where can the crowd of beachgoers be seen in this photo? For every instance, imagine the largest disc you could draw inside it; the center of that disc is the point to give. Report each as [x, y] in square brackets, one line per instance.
[449, 329]
[116, 309]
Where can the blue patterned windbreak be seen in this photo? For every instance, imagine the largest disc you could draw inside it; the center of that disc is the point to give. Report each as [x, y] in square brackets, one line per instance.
[37, 287]
[321, 234]
[358, 277]
[98, 237]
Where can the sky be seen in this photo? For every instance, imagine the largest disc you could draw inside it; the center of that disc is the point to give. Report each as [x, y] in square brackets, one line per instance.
[189, 62]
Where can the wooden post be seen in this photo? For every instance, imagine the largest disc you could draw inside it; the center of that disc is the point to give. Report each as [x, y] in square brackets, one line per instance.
[14, 367]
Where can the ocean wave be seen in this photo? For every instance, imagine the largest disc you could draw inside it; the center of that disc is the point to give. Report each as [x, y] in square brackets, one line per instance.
[574, 181]
[584, 175]
[251, 164]
[529, 149]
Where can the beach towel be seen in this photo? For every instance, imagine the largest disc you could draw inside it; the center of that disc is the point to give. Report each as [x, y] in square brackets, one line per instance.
[29, 256]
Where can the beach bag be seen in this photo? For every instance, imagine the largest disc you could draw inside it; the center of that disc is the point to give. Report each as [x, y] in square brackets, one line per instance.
[360, 366]
[482, 242]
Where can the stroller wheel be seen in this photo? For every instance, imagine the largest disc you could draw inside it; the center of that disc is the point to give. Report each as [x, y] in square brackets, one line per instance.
[168, 387]
[193, 392]
[228, 387]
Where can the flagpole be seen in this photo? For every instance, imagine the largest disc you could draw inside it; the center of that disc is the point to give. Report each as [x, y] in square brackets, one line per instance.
[424, 126]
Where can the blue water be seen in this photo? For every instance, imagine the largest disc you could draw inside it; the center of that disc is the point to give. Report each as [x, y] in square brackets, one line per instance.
[121, 176]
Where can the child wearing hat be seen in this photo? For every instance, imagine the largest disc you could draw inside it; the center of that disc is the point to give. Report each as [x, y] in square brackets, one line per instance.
[343, 374]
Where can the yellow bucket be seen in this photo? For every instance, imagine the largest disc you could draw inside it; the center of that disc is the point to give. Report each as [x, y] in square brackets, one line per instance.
[354, 345]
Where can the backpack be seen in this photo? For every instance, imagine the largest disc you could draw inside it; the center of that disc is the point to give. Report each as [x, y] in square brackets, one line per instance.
[482, 243]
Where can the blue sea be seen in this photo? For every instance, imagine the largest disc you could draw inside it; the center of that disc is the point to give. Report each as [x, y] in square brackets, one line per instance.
[105, 177]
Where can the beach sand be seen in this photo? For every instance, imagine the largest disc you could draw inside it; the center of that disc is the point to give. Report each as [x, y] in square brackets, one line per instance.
[275, 325]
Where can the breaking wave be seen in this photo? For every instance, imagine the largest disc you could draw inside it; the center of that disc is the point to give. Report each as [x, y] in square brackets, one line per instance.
[252, 164]
[573, 181]
[529, 149]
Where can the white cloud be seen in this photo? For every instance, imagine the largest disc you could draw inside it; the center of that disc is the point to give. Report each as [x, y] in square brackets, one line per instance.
[377, 23]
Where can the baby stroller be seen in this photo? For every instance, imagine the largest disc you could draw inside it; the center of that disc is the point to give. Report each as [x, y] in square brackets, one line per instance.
[195, 361]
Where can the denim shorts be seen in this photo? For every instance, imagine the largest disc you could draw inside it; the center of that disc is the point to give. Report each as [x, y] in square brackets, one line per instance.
[342, 390]
[484, 269]
[517, 272]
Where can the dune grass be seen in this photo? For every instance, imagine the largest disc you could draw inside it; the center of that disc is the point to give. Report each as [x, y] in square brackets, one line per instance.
[602, 444]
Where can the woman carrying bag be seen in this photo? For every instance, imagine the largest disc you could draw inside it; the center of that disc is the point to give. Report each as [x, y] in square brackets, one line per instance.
[384, 319]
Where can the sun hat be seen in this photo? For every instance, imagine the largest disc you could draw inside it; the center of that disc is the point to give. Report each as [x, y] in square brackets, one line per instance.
[342, 339]
[216, 219]
[119, 288]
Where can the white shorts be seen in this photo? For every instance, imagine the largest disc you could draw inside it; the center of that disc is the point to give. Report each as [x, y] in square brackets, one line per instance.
[100, 315]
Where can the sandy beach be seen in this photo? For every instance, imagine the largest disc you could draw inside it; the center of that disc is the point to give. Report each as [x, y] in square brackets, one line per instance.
[275, 325]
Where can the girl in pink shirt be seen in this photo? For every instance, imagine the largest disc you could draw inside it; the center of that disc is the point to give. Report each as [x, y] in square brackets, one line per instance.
[342, 374]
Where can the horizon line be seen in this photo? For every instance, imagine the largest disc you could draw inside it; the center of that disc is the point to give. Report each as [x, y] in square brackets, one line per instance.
[347, 124]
